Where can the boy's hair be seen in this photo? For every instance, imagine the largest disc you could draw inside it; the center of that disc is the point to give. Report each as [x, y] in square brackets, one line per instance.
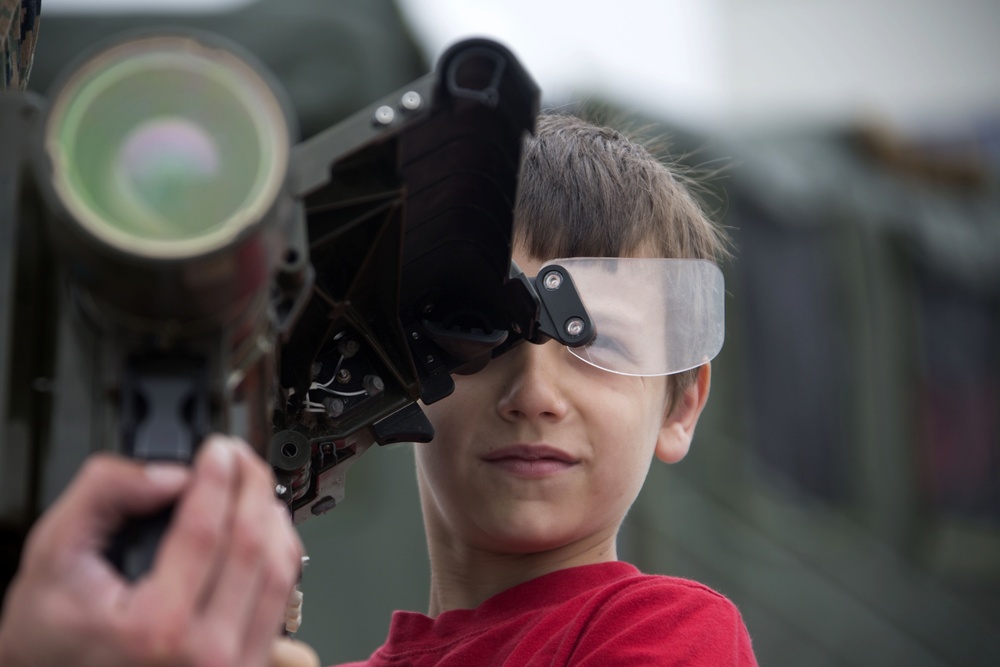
[591, 191]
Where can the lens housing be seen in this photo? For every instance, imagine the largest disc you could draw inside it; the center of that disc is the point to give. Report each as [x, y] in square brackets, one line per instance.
[166, 147]
[165, 166]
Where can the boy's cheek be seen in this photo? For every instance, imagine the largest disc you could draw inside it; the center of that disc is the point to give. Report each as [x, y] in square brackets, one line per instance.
[467, 401]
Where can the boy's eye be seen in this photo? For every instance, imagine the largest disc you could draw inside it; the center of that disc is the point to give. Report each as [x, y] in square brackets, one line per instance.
[617, 347]
[608, 352]
[652, 316]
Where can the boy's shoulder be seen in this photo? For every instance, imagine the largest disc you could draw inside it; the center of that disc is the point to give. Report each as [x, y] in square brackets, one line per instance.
[619, 615]
[619, 591]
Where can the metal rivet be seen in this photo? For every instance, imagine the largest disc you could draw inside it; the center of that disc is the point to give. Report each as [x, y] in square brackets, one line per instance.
[574, 326]
[384, 115]
[373, 384]
[411, 100]
[553, 280]
[348, 347]
[334, 406]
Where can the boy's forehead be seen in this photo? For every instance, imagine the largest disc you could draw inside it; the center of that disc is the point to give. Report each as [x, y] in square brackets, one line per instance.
[530, 263]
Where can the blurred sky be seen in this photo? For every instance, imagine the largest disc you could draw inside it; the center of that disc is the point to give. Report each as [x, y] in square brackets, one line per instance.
[712, 64]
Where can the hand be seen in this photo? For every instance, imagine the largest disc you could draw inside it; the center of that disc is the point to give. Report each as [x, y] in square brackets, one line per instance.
[215, 596]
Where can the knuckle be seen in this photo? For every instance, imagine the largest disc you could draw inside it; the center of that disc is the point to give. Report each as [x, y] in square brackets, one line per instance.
[98, 467]
[249, 540]
[281, 578]
[160, 639]
[94, 467]
[258, 473]
[96, 470]
[38, 555]
[201, 534]
[224, 651]
[279, 575]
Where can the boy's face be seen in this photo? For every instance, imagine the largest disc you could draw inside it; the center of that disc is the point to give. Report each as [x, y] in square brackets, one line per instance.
[540, 451]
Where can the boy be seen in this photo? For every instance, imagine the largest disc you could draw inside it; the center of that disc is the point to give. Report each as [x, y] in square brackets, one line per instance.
[537, 458]
[535, 463]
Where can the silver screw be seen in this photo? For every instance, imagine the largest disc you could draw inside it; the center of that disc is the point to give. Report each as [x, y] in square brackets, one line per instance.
[373, 384]
[349, 347]
[343, 376]
[411, 100]
[334, 406]
[574, 326]
[280, 490]
[552, 281]
[384, 115]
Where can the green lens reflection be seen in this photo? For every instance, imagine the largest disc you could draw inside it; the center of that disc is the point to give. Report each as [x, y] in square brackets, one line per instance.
[157, 144]
[159, 179]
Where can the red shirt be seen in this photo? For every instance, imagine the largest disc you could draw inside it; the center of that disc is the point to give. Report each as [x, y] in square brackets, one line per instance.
[602, 615]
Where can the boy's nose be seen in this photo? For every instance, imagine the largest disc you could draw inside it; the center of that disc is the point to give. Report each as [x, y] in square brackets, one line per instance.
[534, 387]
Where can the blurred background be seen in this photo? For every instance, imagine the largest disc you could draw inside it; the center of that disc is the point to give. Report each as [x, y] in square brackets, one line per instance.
[844, 485]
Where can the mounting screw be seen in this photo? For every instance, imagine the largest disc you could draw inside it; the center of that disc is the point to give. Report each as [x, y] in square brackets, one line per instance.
[411, 100]
[384, 115]
[574, 326]
[343, 376]
[373, 384]
[553, 280]
[334, 406]
[348, 347]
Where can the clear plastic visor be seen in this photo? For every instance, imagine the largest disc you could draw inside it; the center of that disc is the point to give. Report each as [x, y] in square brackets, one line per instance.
[651, 316]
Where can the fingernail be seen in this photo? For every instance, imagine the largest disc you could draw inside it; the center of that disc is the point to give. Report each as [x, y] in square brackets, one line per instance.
[166, 474]
[221, 451]
[244, 447]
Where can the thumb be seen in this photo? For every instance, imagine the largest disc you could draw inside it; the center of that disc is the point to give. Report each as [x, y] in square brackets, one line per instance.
[292, 653]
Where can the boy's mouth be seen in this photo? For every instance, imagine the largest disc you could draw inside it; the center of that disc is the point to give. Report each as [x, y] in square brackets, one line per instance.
[531, 461]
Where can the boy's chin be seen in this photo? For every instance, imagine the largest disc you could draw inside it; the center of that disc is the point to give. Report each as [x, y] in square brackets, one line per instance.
[514, 542]
[542, 542]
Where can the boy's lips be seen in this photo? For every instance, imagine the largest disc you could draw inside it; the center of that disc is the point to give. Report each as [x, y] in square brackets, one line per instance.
[533, 461]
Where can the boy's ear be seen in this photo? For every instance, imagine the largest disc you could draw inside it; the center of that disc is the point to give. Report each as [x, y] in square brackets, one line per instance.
[678, 426]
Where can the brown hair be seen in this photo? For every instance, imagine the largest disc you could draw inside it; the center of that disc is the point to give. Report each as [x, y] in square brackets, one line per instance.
[591, 191]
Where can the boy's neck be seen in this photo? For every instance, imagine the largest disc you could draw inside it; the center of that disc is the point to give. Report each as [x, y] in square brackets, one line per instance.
[464, 578]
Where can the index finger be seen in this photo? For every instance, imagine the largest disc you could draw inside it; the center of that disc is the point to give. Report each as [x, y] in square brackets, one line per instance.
[107, 490]
[196, 538]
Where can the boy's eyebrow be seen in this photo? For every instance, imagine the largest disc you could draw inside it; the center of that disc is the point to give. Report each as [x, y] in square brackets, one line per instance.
[617, 314]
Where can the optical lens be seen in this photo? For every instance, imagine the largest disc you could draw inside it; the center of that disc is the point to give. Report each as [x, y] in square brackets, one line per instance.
[166, 147]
